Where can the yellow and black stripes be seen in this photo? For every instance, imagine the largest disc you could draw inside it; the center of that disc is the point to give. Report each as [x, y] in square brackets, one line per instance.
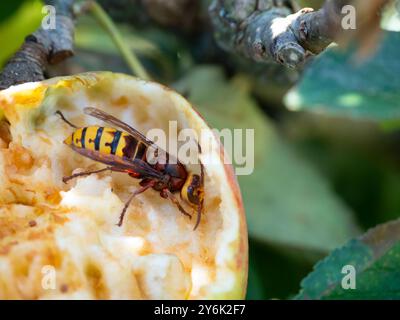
[83, 142]
[108, 141]
[99, 132]
[115, 142]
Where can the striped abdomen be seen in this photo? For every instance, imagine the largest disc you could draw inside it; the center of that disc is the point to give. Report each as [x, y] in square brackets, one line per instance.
[108, 141]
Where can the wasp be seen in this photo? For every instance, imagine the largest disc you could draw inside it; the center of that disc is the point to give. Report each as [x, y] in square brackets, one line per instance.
[125, 150]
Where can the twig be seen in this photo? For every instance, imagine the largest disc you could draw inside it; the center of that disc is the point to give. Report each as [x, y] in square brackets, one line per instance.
[105, 21]
[259, 30]
[267, 30]
[42, 47]
[315, 30]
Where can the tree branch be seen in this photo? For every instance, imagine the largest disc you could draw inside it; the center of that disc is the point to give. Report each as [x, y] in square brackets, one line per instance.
[315, 30]
[42, 47]
[268, 30]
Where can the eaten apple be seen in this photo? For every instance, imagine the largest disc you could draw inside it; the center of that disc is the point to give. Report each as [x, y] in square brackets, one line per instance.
[61, 241]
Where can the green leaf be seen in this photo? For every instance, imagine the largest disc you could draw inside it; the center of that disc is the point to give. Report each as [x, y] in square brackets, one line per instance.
[14, 29]
[7, 8]
[164, 54]
[90, 36]
[287, 202]
[375, 257]
[337, 84]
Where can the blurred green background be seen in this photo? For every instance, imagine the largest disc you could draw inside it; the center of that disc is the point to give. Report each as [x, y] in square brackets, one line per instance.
[326, 153]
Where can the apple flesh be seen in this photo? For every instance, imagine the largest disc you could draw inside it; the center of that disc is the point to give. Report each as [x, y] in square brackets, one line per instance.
[61, 240]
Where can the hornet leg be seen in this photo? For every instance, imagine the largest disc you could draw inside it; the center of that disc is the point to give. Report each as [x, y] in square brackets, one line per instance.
[87, 173]
[142, 189]
[171, 196]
